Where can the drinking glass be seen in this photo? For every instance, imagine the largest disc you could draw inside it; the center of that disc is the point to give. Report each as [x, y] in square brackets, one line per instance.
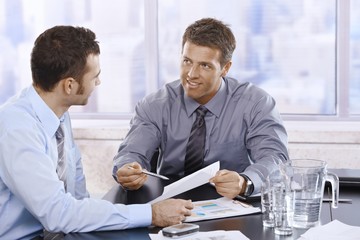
[283, 209]
[266, 205]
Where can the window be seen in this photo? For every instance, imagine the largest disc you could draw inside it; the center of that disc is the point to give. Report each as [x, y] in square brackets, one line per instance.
[354, 87]
[291, 49]
[119, 26]
[279, 46]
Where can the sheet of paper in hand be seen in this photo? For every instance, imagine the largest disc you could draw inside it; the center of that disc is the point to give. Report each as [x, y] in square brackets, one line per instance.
[189, 182]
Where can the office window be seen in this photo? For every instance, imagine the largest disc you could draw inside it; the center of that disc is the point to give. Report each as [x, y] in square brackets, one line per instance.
[119, 26]
[285, 47]
[354, 90]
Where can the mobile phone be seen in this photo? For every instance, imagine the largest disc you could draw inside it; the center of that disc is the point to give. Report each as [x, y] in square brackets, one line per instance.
[180, 230]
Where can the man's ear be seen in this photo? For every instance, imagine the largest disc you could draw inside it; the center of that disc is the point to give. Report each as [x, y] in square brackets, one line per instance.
[226, 69]
[68, 84]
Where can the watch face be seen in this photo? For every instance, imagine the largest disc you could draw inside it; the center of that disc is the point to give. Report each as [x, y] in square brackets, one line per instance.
[247, 190]
[249, 187]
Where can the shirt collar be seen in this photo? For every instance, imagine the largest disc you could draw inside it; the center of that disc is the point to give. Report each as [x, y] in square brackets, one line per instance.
[214, 105]
[43, 112]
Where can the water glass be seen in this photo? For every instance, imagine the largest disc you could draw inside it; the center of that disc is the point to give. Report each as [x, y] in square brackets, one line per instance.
[266, 205]
[283, 209]
[277, 201]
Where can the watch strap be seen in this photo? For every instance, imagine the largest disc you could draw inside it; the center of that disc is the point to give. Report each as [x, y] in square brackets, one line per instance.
[249, 186]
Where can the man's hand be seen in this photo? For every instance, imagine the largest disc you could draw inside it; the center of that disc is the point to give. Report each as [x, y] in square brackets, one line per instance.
[130, 176]
[228, 183]
[170, 211]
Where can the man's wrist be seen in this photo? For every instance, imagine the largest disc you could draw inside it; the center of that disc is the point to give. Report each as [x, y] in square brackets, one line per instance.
[249, 186]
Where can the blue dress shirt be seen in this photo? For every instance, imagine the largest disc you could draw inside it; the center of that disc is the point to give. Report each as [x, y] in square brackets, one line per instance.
[244, 131]
[31, 195]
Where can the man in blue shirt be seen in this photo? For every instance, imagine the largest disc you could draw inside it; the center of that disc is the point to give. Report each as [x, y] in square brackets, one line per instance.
[244, 131]
[65, 70]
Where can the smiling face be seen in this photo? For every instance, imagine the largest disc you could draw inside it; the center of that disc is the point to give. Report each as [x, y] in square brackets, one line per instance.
[201, 71]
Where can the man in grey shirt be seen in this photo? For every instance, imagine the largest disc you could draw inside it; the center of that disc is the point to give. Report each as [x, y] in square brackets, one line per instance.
[244, 131]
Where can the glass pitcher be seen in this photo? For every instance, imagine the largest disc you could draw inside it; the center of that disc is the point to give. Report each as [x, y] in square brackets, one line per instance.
[308, 182]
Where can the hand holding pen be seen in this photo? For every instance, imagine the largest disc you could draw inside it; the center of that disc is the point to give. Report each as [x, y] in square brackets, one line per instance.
[130, 176]
[150, 173]
[131, 179]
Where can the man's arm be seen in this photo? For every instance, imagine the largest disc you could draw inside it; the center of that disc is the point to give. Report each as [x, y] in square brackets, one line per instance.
[30, 176]
[137, 149]
[266, 141]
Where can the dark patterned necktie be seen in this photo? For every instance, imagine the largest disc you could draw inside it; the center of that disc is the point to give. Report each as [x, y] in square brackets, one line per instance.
[61, 166]
[194, 157]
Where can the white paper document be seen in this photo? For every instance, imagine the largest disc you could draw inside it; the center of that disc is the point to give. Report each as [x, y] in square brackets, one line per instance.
[334, 230]
[189, 182]
[221, 235]
[219, 208]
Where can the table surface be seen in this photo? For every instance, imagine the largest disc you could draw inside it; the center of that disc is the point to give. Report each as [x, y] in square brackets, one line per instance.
[250, 225]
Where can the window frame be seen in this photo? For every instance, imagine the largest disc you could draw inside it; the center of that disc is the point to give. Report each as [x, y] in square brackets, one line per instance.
[342, 63]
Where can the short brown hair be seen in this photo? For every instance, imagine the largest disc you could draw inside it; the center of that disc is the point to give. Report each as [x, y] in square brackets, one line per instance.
[61, 52]
[212, 33]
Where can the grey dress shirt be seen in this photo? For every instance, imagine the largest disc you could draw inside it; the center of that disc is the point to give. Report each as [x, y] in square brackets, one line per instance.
[244, 131]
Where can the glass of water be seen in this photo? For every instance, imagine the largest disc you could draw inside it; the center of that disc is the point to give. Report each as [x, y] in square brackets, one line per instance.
[283, 208]
[266, 205]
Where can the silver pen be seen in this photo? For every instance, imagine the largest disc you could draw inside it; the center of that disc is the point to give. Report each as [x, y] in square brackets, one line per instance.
[340, 200]
[151, 173]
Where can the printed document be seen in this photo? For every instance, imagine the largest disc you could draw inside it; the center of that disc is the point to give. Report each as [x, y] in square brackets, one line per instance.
[219, 208]
[189, 182]
[211, 235]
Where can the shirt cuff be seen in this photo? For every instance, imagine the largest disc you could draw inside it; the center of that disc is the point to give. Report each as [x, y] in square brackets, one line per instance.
[140, 215]
[115, 168]
[255, 179]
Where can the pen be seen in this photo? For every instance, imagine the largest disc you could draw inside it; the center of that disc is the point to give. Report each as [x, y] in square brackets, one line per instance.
[341, 200]
[151, 174]
[245, 205]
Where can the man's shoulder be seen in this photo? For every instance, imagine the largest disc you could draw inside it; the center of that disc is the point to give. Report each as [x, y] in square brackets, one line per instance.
[16, 112]
[234, 84]
[243, 88]
[158, 106]
[169, 92]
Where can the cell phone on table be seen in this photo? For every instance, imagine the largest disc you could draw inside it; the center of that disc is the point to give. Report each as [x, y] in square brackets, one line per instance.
[180, 230]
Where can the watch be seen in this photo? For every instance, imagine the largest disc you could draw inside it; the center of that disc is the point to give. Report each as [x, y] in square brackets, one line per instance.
[249, 186]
